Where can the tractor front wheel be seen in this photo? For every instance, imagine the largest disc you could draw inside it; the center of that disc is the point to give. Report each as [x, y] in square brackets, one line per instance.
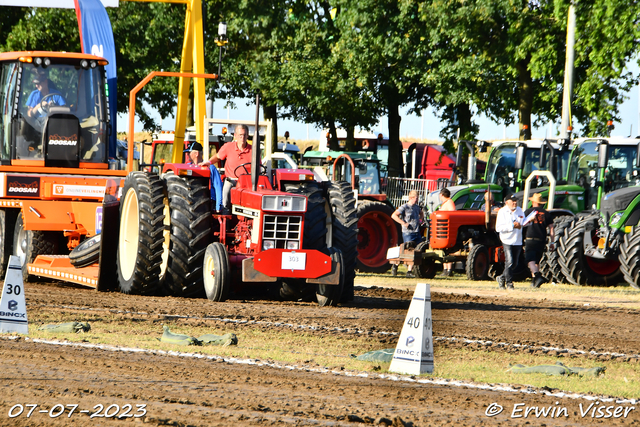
[549, 264]
[427, 268]
[579, 268]
[7, 223]
[329, 295]
[217, 272]
[28, 244]
[86, 253]
[630, 257]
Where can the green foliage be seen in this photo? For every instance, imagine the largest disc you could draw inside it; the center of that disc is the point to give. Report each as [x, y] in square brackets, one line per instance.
[345, 63]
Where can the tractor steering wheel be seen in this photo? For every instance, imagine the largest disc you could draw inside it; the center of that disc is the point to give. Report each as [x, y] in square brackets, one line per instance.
[263, 169]
[45, 105]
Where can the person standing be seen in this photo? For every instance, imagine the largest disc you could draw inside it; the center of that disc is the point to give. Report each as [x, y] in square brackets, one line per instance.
[536, 241]
[236, 153]
[509, 225]
[409, 217]
[446, 204]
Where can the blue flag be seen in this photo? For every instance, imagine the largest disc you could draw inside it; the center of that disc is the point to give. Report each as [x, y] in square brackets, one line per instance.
[96, 38]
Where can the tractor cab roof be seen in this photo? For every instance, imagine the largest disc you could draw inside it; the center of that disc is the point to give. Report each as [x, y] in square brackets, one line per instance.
[30, 56]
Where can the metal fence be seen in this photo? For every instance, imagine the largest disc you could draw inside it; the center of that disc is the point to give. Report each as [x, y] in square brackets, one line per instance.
[398, 189]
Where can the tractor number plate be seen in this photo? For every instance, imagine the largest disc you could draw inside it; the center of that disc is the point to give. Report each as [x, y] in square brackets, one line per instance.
[293, 261]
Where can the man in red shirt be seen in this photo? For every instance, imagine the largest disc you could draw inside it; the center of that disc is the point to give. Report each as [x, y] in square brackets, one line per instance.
[236, 153]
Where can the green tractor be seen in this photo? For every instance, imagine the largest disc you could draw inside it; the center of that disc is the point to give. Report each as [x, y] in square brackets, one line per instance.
[509, 164]
[599, 247]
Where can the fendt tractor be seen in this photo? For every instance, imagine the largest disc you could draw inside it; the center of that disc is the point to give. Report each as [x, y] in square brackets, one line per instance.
[599, 246]
[138, 231]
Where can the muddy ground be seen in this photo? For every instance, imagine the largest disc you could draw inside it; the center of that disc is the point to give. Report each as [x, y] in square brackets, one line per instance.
[216, 392]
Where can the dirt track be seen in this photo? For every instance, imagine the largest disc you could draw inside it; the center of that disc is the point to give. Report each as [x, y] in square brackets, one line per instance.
[189, 391]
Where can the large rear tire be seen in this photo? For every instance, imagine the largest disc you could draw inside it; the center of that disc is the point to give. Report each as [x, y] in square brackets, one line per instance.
[630, 257]
[28, 244]
[377, 232]
[329, 295]
[550, 267]
[189, 202]
[478, 263]
[314, 236]
[579, 268]
[140, 242]
[344, 231]
[217, 272]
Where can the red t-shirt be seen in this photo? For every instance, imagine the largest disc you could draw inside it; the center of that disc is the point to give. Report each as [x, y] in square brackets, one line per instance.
[234, 157]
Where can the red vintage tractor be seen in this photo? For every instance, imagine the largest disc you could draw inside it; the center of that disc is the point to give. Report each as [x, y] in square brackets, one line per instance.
[454, 236]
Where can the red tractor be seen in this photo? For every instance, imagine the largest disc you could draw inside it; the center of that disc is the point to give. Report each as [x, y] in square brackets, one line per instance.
[455, 236]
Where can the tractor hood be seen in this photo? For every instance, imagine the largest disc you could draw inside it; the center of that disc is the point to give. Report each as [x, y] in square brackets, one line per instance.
[469, 196]
[618, 200]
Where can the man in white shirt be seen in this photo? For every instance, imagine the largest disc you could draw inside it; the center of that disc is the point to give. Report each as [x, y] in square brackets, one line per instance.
[509, 225]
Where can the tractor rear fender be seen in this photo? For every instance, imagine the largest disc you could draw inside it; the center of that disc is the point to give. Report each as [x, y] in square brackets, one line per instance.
[185, 169]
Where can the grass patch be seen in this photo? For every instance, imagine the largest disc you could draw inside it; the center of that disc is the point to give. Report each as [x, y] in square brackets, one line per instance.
[334, 352]
[614, 296]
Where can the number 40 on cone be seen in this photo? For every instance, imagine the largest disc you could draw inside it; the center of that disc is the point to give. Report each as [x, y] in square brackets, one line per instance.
[414, 351]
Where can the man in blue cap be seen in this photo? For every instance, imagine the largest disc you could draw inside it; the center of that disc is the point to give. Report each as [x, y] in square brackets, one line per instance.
[194, 149]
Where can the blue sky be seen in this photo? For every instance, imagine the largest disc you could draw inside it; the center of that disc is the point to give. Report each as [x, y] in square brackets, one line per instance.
[427, 127]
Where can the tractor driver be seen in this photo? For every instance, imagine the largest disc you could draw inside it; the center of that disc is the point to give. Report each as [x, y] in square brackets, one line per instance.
[236, 153]
[44, 95]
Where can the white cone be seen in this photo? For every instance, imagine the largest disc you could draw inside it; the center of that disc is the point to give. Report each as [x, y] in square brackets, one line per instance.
[13, 308]
[414, 352]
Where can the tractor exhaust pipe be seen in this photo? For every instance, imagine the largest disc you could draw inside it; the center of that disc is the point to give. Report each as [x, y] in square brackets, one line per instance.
[567, 92]
[255, 149]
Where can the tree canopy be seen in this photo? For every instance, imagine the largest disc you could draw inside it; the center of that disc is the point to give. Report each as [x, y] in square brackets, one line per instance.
[345, 62]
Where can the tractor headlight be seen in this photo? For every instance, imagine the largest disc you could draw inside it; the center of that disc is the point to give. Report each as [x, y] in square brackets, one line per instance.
[615, 218]
[268, 244]
[293, 244]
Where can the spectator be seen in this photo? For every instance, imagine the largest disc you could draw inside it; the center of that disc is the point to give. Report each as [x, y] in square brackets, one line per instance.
[194, 151]
[494, 205]
[446, 204]
[409, 216]
[509, 225]
[536, 241]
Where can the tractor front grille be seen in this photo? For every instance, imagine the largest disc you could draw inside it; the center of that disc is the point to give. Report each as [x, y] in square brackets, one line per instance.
[282, 228]
[441, 229]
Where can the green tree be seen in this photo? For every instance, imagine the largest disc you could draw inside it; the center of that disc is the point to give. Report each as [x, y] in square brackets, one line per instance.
[506, 56]
[379, 43]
